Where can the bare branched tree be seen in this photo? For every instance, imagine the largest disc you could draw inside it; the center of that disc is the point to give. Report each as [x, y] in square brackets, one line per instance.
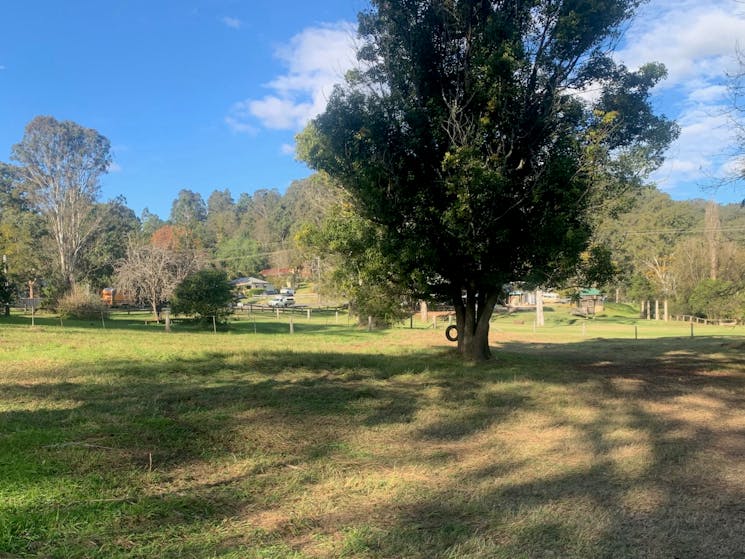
[150, 273]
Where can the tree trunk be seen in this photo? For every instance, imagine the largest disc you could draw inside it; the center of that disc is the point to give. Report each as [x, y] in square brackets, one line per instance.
[472, 319]
[423, 311]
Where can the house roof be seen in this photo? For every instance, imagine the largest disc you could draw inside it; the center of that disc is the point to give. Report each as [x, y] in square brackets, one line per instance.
[247, 281]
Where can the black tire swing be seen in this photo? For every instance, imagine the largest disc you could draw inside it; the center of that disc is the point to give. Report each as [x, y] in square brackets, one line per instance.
[451, 333]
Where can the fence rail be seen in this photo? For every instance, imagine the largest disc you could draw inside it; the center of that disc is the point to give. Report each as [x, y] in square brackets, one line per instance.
[706, 321]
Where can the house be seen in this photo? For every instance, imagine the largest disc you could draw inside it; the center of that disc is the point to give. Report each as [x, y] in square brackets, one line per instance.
[250, 283]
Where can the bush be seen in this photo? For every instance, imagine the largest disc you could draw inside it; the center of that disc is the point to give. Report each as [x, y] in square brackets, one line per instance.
[81, 303]
[384, 303]
[203, 294]
[717, 299]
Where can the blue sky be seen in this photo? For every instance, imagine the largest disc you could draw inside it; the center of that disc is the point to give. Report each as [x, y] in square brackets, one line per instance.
[208, 94]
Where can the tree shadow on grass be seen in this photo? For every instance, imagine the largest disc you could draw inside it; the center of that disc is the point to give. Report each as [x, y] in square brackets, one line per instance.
[650, 465]
[128, 427]
[585, 450]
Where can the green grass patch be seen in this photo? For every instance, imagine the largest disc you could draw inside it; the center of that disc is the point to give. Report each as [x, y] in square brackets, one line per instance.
[578, 440]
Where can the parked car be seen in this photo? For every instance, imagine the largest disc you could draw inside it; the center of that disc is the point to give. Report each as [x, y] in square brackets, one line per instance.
[282, 301]
[287, 291]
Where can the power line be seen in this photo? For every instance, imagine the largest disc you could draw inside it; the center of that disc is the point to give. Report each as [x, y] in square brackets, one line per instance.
[249, 255]
[685, 231]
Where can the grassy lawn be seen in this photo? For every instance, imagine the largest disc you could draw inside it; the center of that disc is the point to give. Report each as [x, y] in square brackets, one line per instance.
[576, 441]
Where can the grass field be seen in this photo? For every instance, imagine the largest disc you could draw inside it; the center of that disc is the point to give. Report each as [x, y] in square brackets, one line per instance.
[576, 441]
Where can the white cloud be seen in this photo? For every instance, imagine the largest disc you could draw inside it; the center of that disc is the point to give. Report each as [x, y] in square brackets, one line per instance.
[237, 119]
[232, 22]
[315, 60]
[280, 113]
[697, 156]
[697, 41]
[708, 94]
[732, 167]
[287, 149]
[114, 167]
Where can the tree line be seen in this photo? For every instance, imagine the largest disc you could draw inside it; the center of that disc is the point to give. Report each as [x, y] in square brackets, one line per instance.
[463, 153]
[56, 233]
[690, 254]
[644, 246]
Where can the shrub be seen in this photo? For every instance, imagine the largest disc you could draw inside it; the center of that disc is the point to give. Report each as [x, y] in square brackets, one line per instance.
[203, 294]
[81, 303]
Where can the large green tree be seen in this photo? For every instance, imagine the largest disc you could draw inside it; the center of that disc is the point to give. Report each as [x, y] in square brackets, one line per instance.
[61, 163]
[189, 211]
[222, 218]
[109, 244]
[464, 137]
[240, 256]
[349, 262]
[22, 231]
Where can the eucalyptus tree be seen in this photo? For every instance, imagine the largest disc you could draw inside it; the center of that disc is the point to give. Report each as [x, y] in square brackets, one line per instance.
[61, 163]
[467, 137]
[189, 213]
[222, 217]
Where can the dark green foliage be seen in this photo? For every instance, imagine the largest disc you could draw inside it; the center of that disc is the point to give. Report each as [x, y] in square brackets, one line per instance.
[203, 294]
[7, 292]
[188, 209]
[150, 223]
[461, 138]
[718, 299]
[356, 267]
[640, 288]
[22, 231]
[240, 256]
[222, 219]
[596, 267]
[108, 245]
[190, 212]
